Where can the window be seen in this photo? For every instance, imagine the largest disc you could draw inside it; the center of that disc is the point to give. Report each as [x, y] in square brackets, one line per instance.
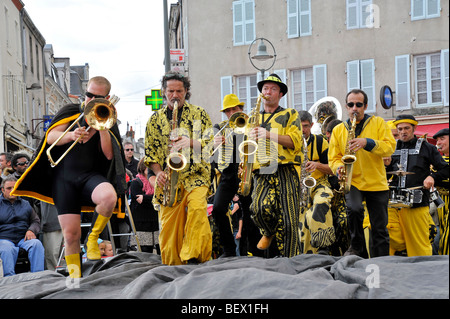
[359, 14]
[247, 91]
[298, 18]
[361, 75]
[24, 49]
[425, 9]
[31, 54]
[37, 63]
[431, 79]
[8, 40]
[243, 22]
[307, 86]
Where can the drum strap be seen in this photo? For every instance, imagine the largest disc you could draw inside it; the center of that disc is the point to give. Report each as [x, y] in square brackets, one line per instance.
[404, 153]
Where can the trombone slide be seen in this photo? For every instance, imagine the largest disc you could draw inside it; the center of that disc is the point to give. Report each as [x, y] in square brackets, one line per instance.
[100, 114]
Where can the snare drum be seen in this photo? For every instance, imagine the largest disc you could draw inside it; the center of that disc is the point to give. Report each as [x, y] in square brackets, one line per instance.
[404, 197]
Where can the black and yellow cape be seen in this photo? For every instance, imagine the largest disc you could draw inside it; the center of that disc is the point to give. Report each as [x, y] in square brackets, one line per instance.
[36, 181]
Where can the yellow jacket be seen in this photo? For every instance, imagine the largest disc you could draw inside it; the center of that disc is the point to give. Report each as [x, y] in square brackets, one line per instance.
[369, 173]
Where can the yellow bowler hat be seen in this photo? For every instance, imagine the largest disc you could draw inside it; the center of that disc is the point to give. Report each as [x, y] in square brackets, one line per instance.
[229, 101]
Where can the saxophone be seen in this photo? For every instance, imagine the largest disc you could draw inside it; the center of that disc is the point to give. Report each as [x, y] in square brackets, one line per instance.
[175, 163]
[345, 180]
[248, 150]
[308, 181]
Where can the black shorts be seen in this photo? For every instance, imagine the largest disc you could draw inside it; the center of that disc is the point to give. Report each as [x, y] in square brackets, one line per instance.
[70, 196]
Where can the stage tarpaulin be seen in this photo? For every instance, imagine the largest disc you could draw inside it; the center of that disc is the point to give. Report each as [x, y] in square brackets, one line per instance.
[142, 276]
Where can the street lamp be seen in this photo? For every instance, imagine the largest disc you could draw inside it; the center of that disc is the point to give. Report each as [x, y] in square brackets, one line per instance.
[262, 55]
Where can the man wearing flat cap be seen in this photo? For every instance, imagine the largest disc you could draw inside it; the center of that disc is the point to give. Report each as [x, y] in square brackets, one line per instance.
[409, 227]
[443, 187]
[276, 184]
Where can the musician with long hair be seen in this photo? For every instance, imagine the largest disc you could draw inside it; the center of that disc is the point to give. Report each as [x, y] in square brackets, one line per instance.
[185, 234]
[91, 177]
[373, 141]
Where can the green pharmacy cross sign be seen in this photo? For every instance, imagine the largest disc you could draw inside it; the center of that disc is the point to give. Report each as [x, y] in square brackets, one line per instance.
[155, 100]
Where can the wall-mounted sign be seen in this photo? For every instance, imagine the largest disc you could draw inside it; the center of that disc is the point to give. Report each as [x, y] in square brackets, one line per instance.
[386, 97]
[155, 100]
[47, 120]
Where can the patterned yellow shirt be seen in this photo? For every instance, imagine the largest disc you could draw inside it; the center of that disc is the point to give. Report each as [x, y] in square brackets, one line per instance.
[194, 123]
[283, 122]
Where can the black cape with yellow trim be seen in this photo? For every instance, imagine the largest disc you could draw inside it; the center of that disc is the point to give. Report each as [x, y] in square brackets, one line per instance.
[36, 181]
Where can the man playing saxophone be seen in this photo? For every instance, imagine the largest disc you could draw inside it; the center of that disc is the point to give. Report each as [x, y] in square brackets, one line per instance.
[373, 141]
[185, 235]
[276, 194]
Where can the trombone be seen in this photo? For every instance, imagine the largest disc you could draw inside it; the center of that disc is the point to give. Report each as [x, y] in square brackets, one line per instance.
[100, 114]
[237, 122]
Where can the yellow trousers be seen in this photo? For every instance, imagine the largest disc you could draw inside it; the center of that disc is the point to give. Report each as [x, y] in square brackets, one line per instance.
[409, 228]
[185, 230]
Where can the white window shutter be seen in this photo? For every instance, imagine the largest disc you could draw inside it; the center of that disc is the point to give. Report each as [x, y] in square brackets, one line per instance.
[417, 9]
[353, 75]
[365, 14]
[293, 19]
[368, 83]
[320, 81]
[305, 17]
[226, 87]
[238, 23]
[402, 83]
[445, 77]
[433, 8]
[352, 14]
[282, 75]
[249, 18]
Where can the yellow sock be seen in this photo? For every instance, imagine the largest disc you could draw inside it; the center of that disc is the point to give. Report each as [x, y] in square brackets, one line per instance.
[73, 265]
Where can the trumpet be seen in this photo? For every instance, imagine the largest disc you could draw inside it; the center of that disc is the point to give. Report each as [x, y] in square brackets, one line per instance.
[100, 114]
[237, 122]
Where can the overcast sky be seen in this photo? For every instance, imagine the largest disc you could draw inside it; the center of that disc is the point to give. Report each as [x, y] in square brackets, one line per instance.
[121, 40]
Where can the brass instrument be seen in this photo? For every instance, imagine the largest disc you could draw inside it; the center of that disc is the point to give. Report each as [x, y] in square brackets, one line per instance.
[100, 114]
[324, 111]
[248, 150]
[345, 180]
[175, 163]
[307, 180]
[237, 122]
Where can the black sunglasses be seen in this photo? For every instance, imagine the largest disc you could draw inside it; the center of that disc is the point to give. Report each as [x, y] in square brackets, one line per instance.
[90, 95]
[171, 76]
[358, 104]
[22, 163]
[129, 149]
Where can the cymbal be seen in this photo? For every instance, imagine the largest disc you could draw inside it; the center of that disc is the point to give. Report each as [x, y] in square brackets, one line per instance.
[400, 173]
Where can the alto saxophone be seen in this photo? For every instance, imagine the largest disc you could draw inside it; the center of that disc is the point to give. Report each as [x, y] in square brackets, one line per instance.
[307, 180]
[345, 180]
[175, 163]
[248, 150]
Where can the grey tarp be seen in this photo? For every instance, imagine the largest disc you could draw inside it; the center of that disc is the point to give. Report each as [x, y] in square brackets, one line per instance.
[141, 275]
